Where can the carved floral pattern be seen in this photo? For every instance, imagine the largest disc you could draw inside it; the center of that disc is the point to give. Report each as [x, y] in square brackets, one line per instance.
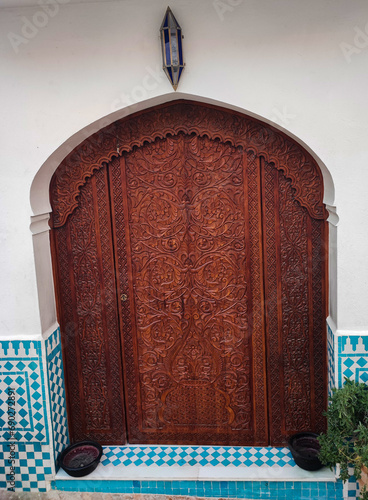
[205, 222]
[294, 264]
[187, 234]
[190, 118]
[89, 320]
[295, 309]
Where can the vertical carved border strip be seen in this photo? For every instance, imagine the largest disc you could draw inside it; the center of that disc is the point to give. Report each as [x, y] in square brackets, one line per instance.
[88, 269]
[124, 286]
[69, 329]
[253, 199]
[312, 323]
[296, 332]
[63, 279]
[319, 238]
[273, 299]
[112, 350]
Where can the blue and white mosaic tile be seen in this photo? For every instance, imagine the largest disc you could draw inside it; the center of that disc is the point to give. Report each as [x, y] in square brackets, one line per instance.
[21, 369]
[234, 456]
[353, 358]
[330, 360]
[352, 364]
[280, 490]
[57, 392]
[21, 366]
[351, 487]
[34, 467]
[25, 449]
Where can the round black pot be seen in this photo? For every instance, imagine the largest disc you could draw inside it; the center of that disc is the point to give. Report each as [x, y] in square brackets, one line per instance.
[305, 448]
[81, 458]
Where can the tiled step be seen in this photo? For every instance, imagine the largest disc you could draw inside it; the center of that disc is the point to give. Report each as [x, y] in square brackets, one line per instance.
[204, 471]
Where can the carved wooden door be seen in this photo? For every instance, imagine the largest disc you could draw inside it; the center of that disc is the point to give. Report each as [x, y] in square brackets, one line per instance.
[191, 278]
[192, 292]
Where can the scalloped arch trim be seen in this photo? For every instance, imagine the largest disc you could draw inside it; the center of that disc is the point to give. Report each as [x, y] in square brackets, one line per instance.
[186, 117]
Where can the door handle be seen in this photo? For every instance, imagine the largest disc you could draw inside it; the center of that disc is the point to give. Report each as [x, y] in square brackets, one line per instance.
[124, 297]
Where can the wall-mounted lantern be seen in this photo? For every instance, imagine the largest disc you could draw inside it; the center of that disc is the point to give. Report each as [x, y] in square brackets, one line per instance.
[172, 48]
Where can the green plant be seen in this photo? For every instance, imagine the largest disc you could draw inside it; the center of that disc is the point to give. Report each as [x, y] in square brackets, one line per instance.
[346, 440]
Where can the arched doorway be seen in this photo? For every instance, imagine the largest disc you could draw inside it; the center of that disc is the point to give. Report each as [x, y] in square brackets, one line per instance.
[189, 250]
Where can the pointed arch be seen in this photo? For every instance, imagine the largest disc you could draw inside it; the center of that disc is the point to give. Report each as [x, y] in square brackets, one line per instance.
[284, 173]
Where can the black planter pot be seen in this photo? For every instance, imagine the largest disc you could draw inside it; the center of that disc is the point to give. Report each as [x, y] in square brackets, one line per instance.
[305, 448]
[81, 458]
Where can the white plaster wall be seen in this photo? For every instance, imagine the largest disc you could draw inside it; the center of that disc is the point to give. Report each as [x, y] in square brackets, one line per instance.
[281, 60]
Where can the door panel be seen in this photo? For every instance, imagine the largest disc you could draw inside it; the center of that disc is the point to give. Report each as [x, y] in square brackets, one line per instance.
[190, 294]
[294, 274]
[83, 254]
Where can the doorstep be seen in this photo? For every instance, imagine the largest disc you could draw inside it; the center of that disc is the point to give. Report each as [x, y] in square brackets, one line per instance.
[207, 471]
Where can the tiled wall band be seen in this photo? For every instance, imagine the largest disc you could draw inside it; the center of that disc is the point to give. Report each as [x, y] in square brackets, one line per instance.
[353, 358]
[57, 393]
[330, 360]
[21, 362]
[234, 456]
[224, 489]
[352, 364]
[21, 368]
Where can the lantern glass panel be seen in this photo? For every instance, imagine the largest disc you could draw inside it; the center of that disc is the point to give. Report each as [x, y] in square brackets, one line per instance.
[180, 49]
[174, 48]
[167, 59]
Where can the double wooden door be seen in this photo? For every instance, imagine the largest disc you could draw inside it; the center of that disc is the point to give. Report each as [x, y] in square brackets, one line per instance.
[191, 298]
